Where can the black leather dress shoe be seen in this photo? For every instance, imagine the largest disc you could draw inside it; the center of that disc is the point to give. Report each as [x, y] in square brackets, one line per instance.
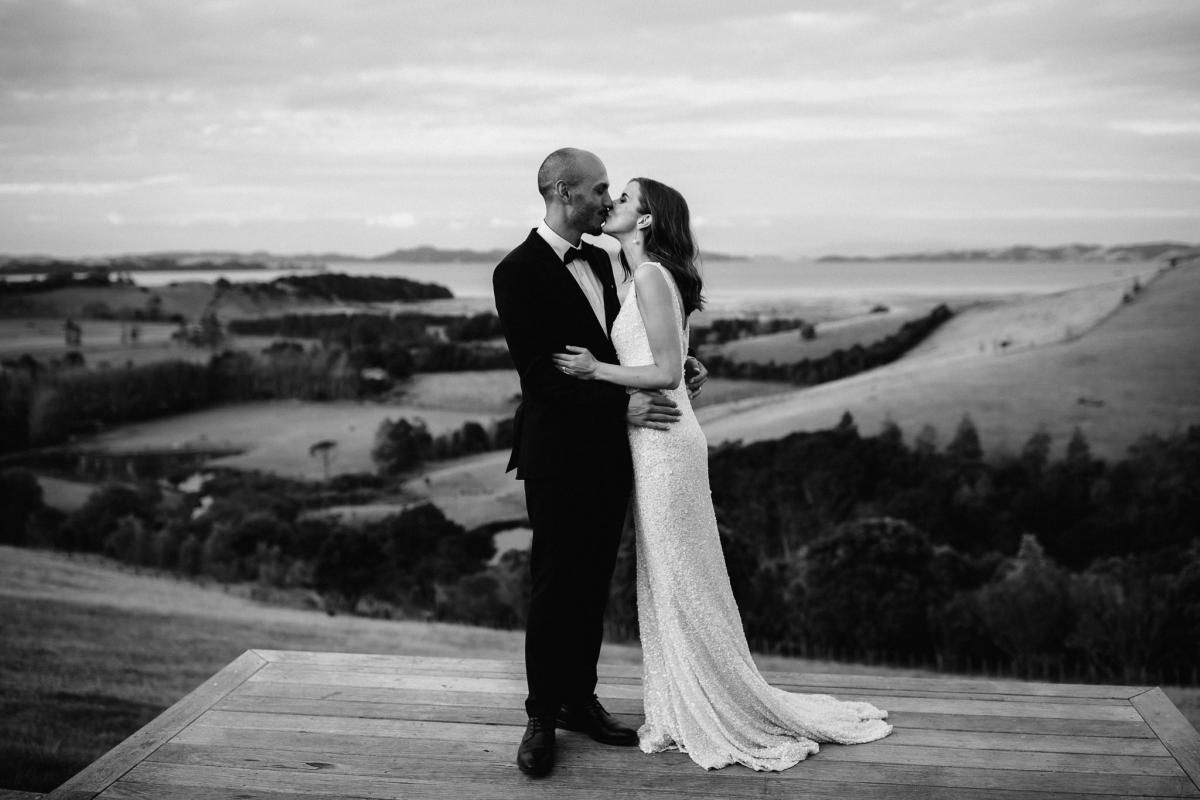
[590, 717]
[535, 756]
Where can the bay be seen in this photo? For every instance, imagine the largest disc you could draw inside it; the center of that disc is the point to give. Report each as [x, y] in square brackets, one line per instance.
[763, 285]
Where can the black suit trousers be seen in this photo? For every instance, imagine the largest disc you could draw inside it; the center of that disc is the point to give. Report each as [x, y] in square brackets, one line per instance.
[577, 526]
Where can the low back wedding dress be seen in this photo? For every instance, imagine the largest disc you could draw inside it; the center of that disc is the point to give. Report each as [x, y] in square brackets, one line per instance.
[702, 692]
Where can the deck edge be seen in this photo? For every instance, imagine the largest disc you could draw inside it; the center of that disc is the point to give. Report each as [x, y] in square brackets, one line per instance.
[107, 769]
[1172, 728]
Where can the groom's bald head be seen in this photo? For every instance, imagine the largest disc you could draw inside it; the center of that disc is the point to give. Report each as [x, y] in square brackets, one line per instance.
[569, 165]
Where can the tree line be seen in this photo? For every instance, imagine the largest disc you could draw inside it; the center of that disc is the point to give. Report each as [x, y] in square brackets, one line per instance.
[403, 445]
[728, 329]
[361, 288]
[46, 403]
[840, 363]
[41, 405]
[401, 344]
[877, 549]
[267, 530]
[346, 329]
[837, 545]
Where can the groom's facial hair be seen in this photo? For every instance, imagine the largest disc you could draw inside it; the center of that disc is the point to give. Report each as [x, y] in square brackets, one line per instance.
[591, 204]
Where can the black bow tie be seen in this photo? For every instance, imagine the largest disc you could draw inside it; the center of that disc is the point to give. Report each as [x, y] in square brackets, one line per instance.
[572, 254]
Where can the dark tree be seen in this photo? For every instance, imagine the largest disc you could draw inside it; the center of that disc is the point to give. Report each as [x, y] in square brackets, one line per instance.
[401, 445]
[965, 447]
[869, 586]
[350, 565]
[20, 499]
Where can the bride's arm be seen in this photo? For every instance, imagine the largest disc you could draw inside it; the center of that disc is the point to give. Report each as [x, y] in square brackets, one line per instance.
[663, 331]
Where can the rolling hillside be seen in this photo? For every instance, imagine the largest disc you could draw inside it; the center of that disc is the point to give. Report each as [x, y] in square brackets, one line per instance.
[1133, 372]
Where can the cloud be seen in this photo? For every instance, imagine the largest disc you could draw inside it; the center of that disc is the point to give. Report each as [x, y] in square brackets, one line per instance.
[825, 22]
[257, 115]
[87, 188]
[398, 220]
[1158, 127]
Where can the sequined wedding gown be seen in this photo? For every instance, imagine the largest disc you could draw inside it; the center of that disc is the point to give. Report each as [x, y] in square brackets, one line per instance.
[702, 692]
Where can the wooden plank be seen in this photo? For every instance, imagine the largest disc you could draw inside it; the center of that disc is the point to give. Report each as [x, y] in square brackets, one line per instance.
[880, 752]
[369, 755]
[1109, 764]
[620, 673]
[14, 794]
[133, 790]
[473, 782]
[452, 682]
[1026, 742]
[514, 715]
[1018, 724]
[415, 664]
[1173, 729]
[956, 685]
[400, 680]
[109, 767]
[436, 704]
[396, 728]
[928, 688]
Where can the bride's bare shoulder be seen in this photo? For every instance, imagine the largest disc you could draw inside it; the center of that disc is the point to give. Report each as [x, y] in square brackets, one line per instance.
[649, 273]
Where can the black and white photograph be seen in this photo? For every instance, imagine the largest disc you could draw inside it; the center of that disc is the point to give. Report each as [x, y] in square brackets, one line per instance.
[682, 401]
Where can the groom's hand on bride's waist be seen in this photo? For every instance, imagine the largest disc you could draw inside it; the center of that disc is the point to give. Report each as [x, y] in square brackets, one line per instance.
[651, 410]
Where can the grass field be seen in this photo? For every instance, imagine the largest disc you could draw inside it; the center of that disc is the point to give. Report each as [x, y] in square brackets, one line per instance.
[93, 651]
[186, 298]
[101, 343]
[276, 435]
[1134, 372]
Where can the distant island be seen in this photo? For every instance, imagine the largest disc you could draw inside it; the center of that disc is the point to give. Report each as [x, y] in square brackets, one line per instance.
[1027, 253]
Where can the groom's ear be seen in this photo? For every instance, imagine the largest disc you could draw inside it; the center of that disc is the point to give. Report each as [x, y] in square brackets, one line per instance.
[563, 191]
[644, 221]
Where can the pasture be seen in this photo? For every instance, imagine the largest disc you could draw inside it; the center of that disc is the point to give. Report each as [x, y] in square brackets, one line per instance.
[275, 436]
[1134, 372]
[102, 342]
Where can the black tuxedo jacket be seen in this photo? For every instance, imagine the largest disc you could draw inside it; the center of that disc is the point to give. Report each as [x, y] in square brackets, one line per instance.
[565, 427]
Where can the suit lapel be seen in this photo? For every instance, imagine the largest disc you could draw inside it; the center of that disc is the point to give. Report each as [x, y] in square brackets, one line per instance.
[568, 287]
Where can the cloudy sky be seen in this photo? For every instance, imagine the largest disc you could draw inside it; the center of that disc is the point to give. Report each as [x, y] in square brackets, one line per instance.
[792, 128]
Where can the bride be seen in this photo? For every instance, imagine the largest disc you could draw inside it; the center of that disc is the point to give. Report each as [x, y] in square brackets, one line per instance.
[702, 692]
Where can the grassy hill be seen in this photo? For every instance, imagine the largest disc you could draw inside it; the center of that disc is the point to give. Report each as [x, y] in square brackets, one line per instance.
[1133, 373]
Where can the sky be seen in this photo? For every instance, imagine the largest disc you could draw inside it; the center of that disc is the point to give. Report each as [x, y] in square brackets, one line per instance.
[793, 129]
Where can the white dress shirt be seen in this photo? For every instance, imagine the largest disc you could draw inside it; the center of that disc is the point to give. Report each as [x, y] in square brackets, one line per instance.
[589, 284]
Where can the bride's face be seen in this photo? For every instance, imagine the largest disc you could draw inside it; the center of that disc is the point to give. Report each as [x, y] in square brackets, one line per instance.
[623, 218]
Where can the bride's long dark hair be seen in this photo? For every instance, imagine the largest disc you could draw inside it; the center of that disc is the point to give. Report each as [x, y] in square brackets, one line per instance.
[669, 239]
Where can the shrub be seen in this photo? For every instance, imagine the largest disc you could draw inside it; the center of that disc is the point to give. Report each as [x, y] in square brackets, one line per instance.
[20, 499]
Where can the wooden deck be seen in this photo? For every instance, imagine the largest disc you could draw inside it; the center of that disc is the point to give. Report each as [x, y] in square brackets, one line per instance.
[283, 724]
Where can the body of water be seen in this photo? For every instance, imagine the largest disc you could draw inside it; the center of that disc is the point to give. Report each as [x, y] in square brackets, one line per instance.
[761, 284]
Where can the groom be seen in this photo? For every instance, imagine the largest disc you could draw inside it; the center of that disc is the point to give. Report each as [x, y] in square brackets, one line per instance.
[571, 449]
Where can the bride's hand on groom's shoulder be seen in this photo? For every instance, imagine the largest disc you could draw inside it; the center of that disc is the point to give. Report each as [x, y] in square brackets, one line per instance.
[651, 410]
[578, 363]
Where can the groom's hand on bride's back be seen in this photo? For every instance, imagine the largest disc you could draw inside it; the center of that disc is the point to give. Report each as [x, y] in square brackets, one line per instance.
[651, 410]
[694, 376]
